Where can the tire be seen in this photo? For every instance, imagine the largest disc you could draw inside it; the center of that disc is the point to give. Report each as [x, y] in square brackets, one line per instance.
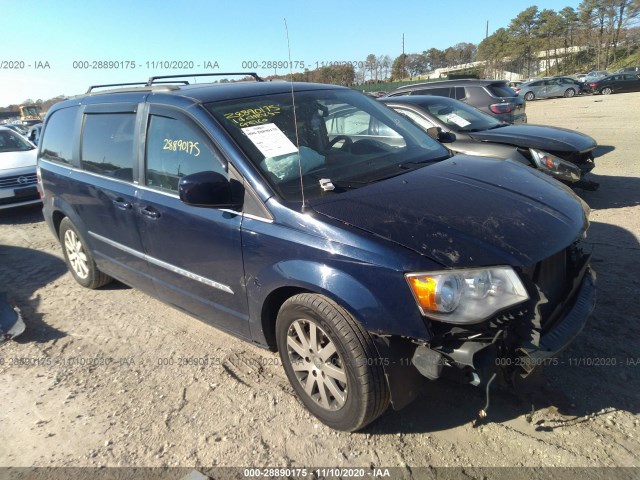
[346, 384]
[78, 257]
[569, 92]
[606, 91]
[529, 96]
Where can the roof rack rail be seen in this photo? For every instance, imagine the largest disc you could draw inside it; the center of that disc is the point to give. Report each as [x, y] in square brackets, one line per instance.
[152, 80]
[114, 85]
[144, 84]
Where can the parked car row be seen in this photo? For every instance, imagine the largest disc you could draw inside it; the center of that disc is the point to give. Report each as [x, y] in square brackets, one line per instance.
[17, 170]
[494, 97]
[338, 232]
[564, 154]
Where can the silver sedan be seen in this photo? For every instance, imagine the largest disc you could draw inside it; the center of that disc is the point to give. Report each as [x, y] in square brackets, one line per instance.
[546, 88]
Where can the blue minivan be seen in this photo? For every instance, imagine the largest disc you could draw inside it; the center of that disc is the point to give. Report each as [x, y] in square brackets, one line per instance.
[314, 220]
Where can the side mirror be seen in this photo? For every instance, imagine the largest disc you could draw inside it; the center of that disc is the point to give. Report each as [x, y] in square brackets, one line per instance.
[433, 132]
[443, 137]
[207, 189]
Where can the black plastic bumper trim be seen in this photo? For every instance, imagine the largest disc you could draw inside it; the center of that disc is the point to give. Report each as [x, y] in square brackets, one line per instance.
[565, 331]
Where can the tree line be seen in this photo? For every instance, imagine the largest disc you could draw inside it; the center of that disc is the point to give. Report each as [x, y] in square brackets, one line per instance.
[590, 37]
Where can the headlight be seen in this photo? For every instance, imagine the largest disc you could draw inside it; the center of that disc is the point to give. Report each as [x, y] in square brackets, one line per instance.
[555, 166]
[466, 296]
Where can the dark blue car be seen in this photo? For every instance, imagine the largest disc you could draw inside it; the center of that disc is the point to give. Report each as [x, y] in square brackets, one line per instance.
[314, 220]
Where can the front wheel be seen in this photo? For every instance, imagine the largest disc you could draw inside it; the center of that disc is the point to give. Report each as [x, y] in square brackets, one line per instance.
[606, 91]
[79, 258]
[529, 96]
[331, 362]
[569, 92]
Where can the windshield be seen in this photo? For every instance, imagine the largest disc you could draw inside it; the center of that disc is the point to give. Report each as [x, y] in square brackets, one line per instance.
[501, 90]
[346, 140]
[11, 141]
[17, 128]
[30, 111]
[458, 116]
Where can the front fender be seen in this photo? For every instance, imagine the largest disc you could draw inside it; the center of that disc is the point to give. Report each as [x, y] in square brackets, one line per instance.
[377, 310]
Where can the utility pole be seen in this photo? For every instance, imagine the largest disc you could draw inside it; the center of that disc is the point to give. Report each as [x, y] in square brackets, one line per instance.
[486, 34]
[403, 57]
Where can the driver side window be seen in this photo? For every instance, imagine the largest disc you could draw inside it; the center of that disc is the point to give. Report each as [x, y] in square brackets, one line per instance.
[176, 148]
[419, 120]
[358, 124]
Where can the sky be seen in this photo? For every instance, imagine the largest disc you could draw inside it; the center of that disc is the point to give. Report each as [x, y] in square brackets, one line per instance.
[53, 48]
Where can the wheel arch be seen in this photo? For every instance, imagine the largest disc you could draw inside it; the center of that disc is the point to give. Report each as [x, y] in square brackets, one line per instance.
[270, 309]
[56, 217]
[288, 278]
[60, 209]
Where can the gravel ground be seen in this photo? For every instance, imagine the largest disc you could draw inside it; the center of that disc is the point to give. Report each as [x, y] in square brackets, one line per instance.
[114, 377]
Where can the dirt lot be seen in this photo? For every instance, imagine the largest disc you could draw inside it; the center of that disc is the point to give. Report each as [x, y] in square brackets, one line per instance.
[116, 378]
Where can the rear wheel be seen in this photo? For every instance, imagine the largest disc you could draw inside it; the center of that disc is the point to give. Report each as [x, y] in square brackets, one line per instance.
[78, 258]
[331, 362]
[529, 96]
[569, 92]
[606, 91]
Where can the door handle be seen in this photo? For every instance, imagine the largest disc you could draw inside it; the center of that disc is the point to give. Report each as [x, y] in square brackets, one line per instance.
[122, 204]
[150, 212]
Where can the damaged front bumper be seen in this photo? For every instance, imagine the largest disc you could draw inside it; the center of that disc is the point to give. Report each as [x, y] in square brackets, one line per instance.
[505, 356]
[564, 332]
[479, 360]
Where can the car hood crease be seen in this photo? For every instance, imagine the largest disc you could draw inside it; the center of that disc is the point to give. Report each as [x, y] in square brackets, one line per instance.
[540, 137]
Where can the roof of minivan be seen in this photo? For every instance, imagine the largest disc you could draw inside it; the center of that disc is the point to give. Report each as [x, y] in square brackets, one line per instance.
[211, 92]
[199, 93]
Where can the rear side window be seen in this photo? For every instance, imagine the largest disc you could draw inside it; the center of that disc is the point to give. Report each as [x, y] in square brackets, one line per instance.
[460, 93]
[439, 92]
[107, 144]
[57, 143]
[501, 91]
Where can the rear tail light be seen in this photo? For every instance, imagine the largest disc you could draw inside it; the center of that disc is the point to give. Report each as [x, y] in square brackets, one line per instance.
[502, 107]
[593, 84]
[516, 89]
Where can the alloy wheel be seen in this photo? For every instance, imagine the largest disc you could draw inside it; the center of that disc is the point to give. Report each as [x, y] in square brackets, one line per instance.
[76, 255]
[317, 364]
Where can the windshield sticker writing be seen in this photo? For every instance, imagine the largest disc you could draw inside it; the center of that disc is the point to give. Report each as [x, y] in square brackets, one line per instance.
[270, 140]
[182, 146]
[458, 120]
[253, 116]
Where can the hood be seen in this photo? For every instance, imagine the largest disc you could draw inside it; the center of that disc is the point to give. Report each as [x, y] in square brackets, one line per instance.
[11, 160]
[466, 211]
[550, 139]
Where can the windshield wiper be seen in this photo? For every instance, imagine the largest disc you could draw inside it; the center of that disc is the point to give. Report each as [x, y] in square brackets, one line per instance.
[426, 160]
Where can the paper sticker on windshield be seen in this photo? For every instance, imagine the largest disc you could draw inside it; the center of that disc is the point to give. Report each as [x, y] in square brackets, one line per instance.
[457, 119]
[270, 140]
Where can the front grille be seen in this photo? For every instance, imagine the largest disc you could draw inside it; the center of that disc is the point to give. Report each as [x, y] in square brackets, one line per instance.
[556, 280]
[17, 181]
[551, 279]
